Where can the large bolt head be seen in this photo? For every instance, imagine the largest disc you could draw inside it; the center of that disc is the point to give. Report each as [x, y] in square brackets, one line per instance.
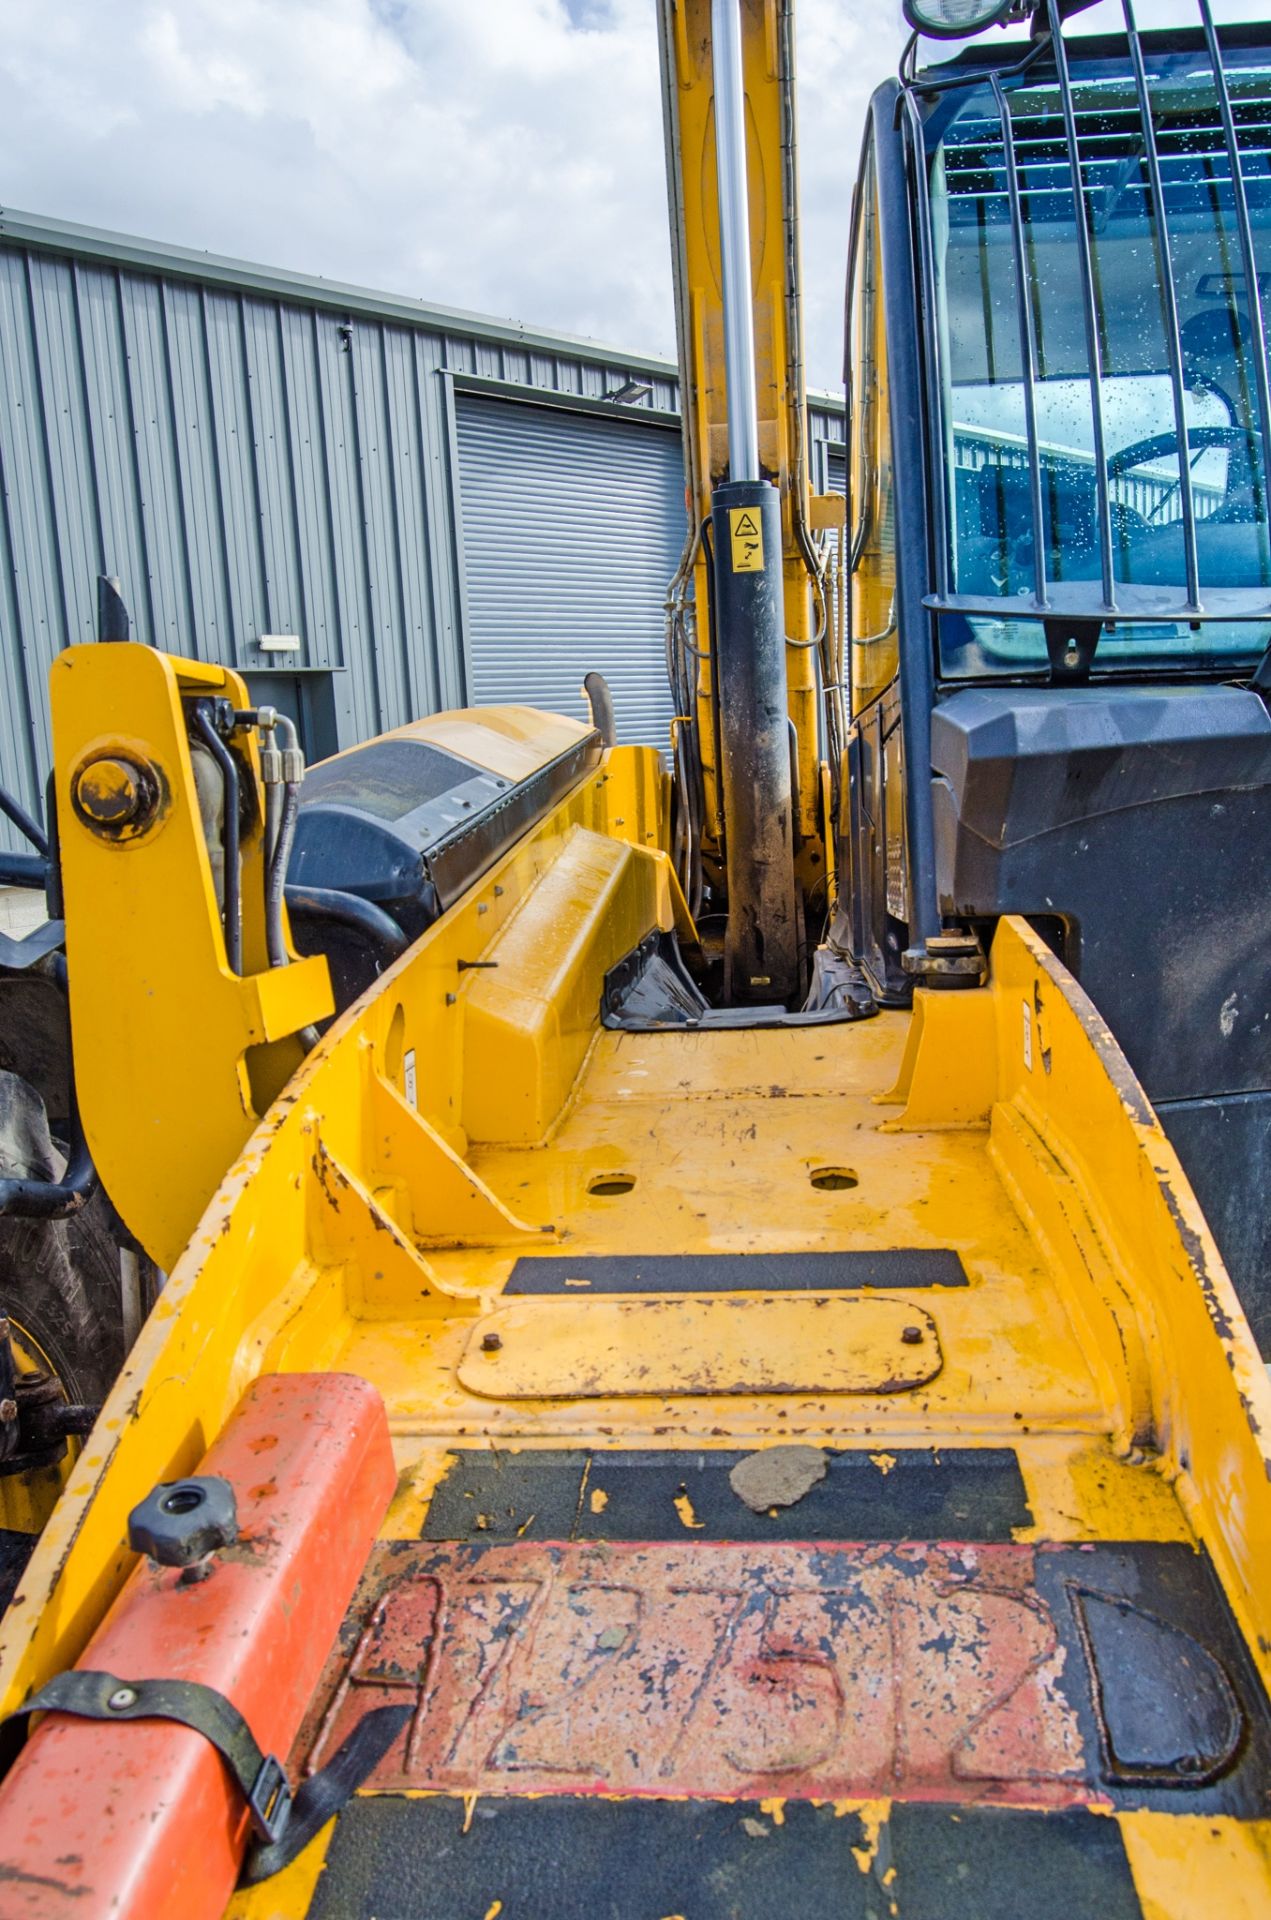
[110, 792]
[115, 796]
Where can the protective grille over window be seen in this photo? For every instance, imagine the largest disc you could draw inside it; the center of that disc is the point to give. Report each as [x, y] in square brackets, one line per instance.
[1099, 354]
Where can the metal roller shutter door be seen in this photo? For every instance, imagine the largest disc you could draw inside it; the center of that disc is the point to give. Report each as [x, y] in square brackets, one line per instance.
[572, 528]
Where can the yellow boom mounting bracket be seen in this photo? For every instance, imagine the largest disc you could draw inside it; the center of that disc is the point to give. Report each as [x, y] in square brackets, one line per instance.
[176, 1055]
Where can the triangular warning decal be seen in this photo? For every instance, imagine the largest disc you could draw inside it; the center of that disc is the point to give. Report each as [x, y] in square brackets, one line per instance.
[746, 538]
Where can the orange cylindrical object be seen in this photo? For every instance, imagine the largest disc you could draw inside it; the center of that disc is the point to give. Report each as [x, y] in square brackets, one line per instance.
[142, 1818]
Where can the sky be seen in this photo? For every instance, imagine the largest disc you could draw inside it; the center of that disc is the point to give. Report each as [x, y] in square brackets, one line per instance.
[499, 155]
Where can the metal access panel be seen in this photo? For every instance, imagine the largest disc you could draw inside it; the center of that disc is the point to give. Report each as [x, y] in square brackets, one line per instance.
[572, 525]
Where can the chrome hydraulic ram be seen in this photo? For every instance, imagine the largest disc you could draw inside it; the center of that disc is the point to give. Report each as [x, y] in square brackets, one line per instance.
[761, 949]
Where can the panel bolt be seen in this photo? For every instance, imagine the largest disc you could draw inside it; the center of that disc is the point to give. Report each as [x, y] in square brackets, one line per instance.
[491, 1342]
[122, 1698]
[912, 1336]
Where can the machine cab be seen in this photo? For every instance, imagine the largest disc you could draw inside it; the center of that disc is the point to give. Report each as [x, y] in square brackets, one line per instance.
[1061, 572]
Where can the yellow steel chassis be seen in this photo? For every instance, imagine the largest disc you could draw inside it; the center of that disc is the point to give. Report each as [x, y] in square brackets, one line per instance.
[363, 1230]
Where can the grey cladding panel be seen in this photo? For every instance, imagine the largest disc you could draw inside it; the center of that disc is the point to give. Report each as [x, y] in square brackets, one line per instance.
[252, 452]
[572, 527]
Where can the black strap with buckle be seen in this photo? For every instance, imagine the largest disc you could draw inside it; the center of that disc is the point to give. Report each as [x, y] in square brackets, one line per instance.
[282, 1824]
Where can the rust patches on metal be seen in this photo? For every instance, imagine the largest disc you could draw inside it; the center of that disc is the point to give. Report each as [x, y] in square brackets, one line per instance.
[766, 1672]
[1194, 1248]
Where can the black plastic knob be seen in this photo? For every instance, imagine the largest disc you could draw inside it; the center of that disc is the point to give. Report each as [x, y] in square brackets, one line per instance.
[183, 1521]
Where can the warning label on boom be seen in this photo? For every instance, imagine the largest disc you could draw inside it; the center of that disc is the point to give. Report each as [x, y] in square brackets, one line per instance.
[747, 539]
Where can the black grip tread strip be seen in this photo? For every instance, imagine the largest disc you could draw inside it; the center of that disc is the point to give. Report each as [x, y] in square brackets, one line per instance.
[899, 1267]
[567, 1858]
[894, 1493]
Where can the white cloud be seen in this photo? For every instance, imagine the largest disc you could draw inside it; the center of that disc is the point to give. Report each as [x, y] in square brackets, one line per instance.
[504, 156]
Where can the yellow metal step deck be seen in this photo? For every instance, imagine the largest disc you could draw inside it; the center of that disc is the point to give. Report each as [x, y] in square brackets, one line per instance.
[988, 1636]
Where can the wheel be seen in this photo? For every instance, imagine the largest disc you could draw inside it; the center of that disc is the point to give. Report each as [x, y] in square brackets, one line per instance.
[57, 1278]
[60, 1288]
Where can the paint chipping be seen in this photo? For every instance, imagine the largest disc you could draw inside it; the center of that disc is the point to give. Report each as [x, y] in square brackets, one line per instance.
[873, 1817]
[684, 1507]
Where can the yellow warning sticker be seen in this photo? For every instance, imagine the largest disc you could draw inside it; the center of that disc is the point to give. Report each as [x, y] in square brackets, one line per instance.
[747, 538]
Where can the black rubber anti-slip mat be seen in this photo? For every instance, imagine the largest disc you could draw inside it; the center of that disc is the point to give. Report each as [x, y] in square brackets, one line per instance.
[591, 1859]
[1003, 1863]
[902, 1267]
[957, 1493]
[1160, 1678]
[557, 1858]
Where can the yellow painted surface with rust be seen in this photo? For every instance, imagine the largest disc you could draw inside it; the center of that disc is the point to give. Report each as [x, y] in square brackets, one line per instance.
[1098, 1336]
[682, 1348]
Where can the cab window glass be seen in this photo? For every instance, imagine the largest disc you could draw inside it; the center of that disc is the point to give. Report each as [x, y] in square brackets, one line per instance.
[992, 550]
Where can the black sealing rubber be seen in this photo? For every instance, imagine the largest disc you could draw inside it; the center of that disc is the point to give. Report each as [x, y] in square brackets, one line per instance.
[282, 1825]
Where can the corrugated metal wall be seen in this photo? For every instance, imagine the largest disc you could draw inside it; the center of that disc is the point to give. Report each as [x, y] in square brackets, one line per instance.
[251, 453]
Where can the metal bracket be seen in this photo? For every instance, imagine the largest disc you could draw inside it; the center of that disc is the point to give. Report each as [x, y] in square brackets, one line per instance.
[1070, 648]
[947, 960]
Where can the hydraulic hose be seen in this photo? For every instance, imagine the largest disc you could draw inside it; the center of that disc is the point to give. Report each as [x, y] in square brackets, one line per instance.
[231, 910]
[276, 877]
[324, 905]
[280, 832]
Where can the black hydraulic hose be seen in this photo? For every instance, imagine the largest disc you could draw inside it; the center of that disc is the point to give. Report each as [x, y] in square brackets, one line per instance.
[275, 890]
[56, 1199]
[276, 875]
[318, 904]
[53, 899]
[27, 825]
[229, 775]
[273, 806]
